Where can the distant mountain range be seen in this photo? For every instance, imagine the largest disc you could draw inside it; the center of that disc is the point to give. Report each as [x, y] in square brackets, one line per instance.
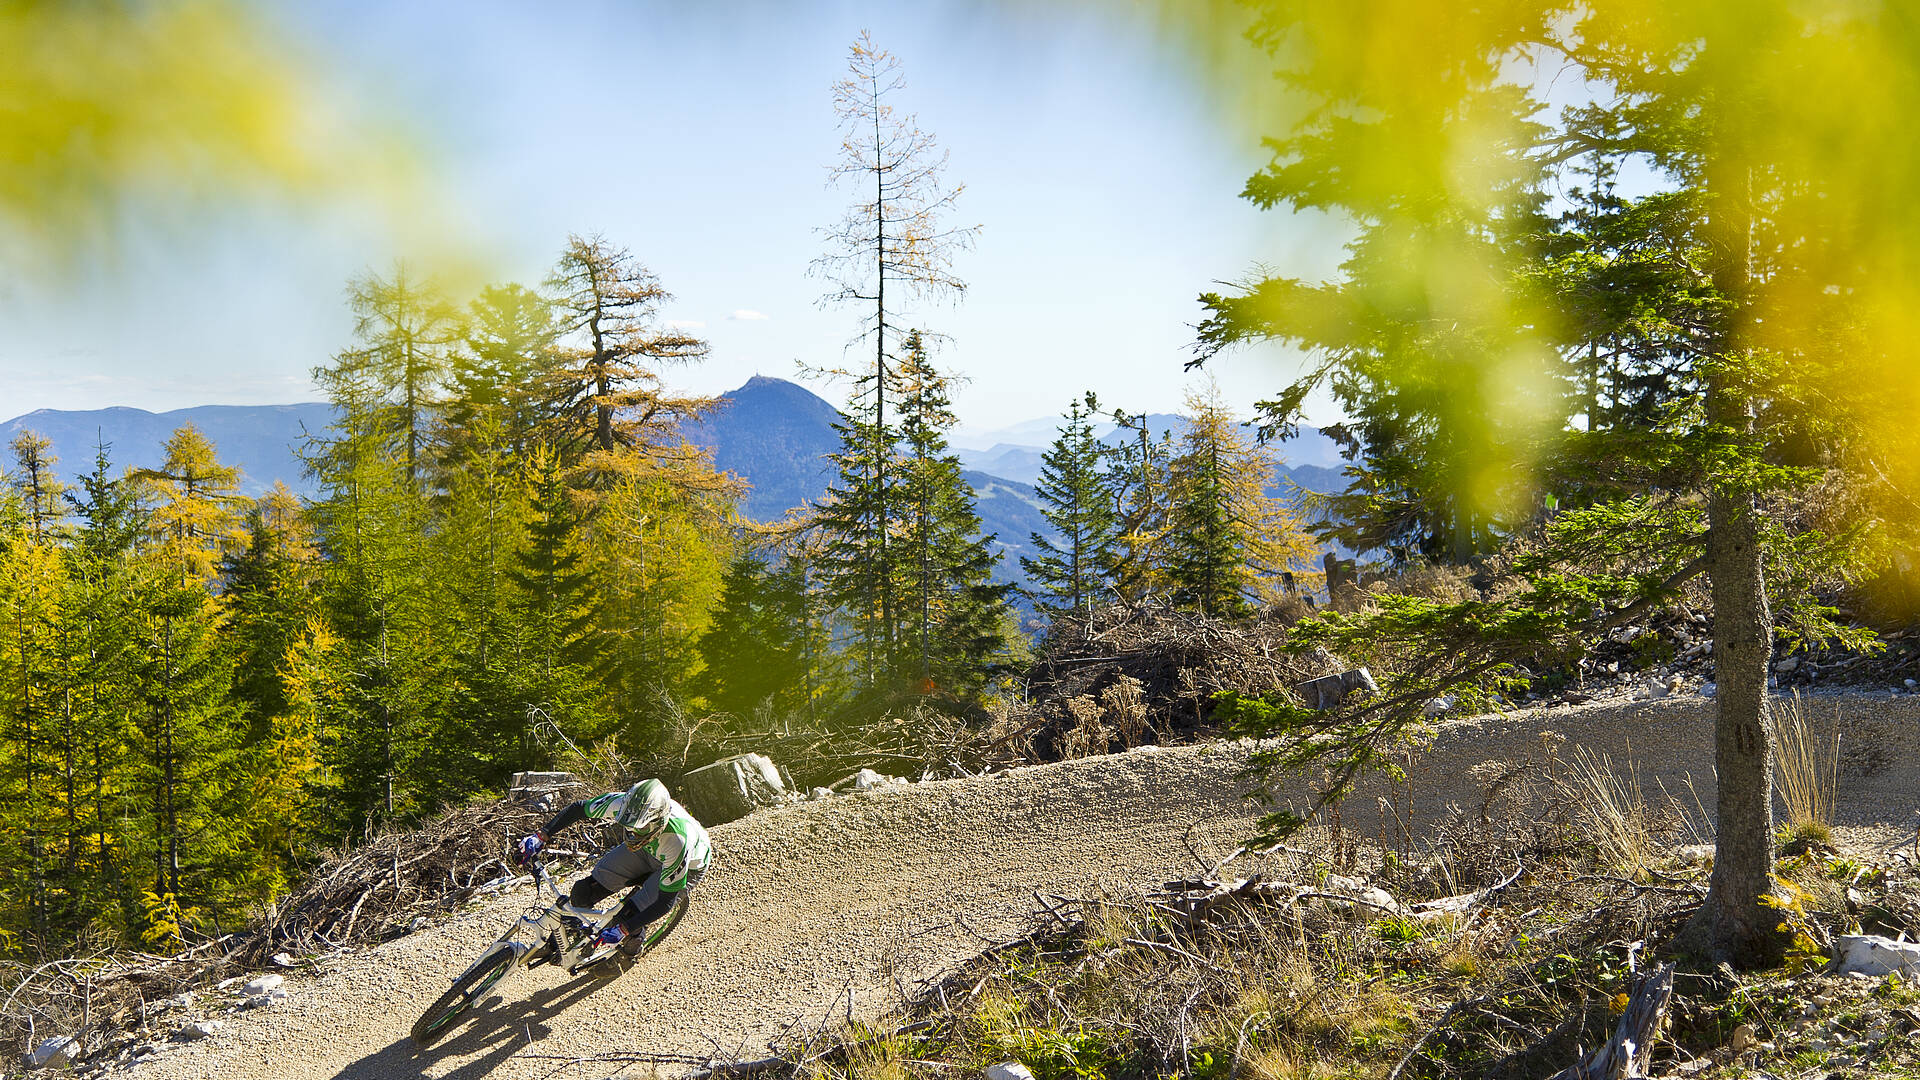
[260, 439]
[775, 434]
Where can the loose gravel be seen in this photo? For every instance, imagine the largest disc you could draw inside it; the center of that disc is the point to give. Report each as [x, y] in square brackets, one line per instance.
[834, 907]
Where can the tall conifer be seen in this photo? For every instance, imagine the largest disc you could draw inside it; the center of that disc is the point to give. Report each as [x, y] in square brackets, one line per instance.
[1073, 571]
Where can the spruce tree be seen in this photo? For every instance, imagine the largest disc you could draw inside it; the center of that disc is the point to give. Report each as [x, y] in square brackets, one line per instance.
[1073, 571]
[761, 649]
[857, 521]
[953, 613]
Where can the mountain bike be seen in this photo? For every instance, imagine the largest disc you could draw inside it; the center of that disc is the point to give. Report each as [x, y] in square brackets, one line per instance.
[561, 935]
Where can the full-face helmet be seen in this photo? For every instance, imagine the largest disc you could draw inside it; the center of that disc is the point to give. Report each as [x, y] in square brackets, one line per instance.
[646, 808]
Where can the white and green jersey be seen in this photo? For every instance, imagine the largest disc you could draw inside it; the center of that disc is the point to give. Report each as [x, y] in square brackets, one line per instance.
[678, 849]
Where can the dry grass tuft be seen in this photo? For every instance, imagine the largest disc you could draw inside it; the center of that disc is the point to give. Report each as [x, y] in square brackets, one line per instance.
[1611, 807]
[1808, 764]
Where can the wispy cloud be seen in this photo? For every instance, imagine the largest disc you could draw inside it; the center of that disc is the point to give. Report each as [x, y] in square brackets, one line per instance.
[747, 315]
[684, 324]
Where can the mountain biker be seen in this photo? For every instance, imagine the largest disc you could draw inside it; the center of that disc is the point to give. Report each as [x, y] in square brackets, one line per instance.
[665, 854]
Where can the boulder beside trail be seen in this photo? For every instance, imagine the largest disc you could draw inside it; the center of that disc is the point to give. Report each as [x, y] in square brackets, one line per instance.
[731, 788]
[1328, 691]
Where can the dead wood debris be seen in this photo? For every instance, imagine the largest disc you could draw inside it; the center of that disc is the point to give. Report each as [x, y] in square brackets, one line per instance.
[1129, 674]
[392, 885]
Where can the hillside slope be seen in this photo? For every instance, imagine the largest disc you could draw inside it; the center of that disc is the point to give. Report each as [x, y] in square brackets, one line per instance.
[815, 902]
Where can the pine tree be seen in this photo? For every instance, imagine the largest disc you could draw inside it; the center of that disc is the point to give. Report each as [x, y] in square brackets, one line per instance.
[1227, 539]
[1071, 573]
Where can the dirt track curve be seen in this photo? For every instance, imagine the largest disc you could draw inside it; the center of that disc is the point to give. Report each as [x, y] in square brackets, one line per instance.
[812, 903]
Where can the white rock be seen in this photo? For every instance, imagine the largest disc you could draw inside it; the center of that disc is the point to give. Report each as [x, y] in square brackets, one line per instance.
[1438, 706]
[1709, 689]
[184, 1000]
[262, 984]
[1786, 665]
[53, 1053]
[1009, 1070]
[822, 793]
[418, 924]
[867, 780]
[281, 959]
[1910, 684]
[199, 1029]
[1656, 689]
[1876, 955]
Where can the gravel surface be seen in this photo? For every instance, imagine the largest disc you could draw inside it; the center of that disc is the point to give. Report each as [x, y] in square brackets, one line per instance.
[829, 906]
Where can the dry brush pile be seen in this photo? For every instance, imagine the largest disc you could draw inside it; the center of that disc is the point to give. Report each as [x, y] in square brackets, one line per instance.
[1129, 674]
[396, 883]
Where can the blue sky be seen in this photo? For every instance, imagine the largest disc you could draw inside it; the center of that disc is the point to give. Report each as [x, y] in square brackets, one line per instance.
[699, 136]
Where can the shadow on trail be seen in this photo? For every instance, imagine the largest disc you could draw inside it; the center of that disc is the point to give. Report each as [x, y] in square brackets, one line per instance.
[495, 1031]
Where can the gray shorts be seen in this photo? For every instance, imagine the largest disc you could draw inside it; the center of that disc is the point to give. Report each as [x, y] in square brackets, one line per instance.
[622, 867]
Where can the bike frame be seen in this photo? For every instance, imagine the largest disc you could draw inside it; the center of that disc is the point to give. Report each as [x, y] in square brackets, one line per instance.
[575, 928]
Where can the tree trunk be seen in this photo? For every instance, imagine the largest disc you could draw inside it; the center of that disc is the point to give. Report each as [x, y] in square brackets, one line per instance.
[1731, 925]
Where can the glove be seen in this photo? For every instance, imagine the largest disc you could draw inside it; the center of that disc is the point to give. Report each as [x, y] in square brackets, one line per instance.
[530, 846]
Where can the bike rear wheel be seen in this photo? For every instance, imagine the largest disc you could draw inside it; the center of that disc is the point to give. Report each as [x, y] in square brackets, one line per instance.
[469, 988]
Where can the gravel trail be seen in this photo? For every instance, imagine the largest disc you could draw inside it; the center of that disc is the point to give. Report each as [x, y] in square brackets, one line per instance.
[830, 905]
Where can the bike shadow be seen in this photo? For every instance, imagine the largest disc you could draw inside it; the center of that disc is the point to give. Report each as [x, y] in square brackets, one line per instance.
[495, 1031]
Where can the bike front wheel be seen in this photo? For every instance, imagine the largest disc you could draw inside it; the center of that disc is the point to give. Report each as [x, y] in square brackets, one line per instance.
[467, 989]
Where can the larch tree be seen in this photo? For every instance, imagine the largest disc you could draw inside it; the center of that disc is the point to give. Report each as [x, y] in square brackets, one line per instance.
[607, 393]
[1227, 539]
[407, 328]
[1138, 481]
[1078, 563]
[31, 583]
[509, 348]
